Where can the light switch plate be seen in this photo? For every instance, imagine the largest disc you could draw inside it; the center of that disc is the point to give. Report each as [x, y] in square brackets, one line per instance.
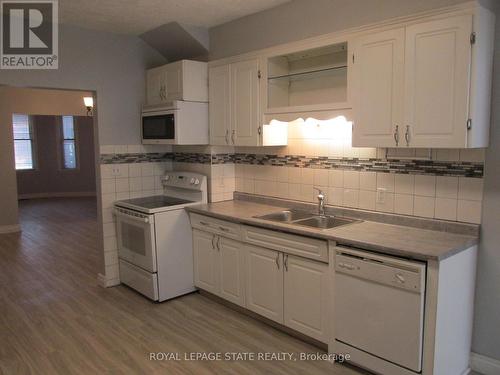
[381, 192]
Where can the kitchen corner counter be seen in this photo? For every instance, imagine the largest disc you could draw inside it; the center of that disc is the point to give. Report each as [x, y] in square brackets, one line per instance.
[398, 240]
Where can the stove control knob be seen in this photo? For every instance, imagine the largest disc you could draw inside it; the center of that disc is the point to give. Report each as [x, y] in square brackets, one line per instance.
[192, 181]
[167, 177]
[196, 182]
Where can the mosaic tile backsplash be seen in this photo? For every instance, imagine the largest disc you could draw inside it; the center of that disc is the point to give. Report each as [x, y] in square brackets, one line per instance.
[405, 166]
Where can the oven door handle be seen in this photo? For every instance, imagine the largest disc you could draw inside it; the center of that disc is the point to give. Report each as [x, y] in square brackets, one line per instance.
[133, 216]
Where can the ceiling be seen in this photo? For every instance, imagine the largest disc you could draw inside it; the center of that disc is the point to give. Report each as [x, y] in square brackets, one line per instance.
[138, 16]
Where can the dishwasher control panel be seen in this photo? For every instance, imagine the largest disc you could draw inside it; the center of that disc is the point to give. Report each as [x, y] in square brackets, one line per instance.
[399, 273]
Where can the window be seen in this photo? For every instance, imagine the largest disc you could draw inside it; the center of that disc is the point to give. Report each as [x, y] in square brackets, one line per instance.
[23, 141]
[68, 143]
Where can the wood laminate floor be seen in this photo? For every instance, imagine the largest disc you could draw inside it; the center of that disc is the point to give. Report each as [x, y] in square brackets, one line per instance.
[54, 319]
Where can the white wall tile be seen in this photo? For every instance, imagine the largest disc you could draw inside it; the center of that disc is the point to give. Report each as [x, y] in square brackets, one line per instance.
[294, 191]
[148, 183]
[404, 183]
[306, 176]
[109, 230]
[469, 211]
[387, 205]
[470, 188]
[320, 177]
[351, 198]
[425, 185]
[368, 181]
[336, 178]
[386, 181]
[403, 204]
[107, 171]
[367, 200]
[351, 179]
[446, 209]
[472, 154]
[135, 184]
[123, 195]
[281, 174]
[447, 187]
[306, 193]
[110, 243]
[108, 200]
[248, 185]
[423, 206]
[335, 196]
[107, 215]
[282, 189]
[122, 185]
[121, 149]
[134, 170]
[147, 169]
[294, 175]
[107, 149]
[108, 186]
[446, 154]
[367, 153]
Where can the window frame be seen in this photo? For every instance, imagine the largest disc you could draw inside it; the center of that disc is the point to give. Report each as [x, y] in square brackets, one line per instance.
[60, 148]
[32, 139]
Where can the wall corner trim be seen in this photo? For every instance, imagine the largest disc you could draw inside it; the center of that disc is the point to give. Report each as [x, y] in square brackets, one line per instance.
[104, 282]
[484, 365]
[4, 229]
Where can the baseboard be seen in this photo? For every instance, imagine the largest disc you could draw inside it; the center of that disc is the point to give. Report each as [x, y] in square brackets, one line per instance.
[484, 365]
[4, 229]
[107, 283]
[70, 194]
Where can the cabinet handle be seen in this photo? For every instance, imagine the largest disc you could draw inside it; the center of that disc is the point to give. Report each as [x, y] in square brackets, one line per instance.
[224, 229]
[407, 135]
[218, 243]
[396, 135]
[213, 238]
[204, 223]
[259, 130]
[232, 135]
[277, 260]
[227, 136]
[286, 262]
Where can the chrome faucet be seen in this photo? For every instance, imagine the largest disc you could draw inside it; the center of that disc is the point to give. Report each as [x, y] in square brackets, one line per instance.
[321, 202]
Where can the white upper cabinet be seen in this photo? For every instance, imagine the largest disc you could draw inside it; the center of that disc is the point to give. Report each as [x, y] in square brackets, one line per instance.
[234, 107]
[245, 103]
[425, 85]
[220, 103]
[181, 80]
[378, 84]
[437, 72]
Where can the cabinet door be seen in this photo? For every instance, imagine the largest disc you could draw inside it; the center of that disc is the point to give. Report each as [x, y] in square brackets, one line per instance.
[437, 63]
[155, 81]
[306, 297]
[264, 286]
[378, 74]
[205, 261]
[219, 92]
[173, 78]
[245, 103]
[231, 270]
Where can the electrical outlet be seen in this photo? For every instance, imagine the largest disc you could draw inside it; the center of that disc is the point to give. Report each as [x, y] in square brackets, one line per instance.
[381, 195]
[115, 171]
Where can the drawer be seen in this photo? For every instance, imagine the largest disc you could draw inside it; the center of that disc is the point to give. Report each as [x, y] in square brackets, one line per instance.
[288, 243]
[144, 282]
[212, 225]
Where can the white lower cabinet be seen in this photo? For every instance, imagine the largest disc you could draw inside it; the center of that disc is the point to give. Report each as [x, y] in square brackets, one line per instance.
[231, 261]
[288, 289]
[219, 266]
[264, 288]
[306, 296]
[205, 261]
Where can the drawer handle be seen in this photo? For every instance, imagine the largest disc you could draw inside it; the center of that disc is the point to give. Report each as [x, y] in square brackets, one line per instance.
[224, 229]
[286, 262]
[205, 223]
[218, 244]
[278, 260]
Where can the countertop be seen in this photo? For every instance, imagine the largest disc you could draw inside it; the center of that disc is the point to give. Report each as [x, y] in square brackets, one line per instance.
[409, 242]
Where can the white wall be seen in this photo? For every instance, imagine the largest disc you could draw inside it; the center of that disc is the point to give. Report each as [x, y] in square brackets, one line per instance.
[305, 18]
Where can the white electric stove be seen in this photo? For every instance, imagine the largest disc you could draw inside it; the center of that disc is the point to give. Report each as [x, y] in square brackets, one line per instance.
[155, 246]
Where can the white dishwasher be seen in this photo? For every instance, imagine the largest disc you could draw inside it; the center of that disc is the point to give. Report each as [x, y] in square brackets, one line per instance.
[379, 309]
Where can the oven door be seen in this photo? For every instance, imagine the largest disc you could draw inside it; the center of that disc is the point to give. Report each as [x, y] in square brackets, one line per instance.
[136, 238]
[159, 127]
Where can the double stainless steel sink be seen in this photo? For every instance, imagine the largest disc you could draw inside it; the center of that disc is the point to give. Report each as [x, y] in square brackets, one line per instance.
[307, 219]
